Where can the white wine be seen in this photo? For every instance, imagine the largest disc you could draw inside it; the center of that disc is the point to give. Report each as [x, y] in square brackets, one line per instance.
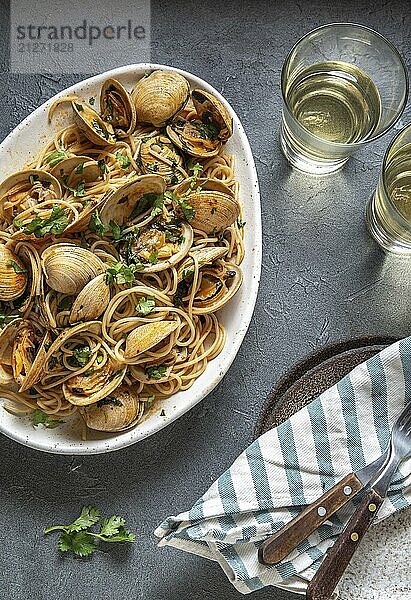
[398, 181]
[335, 101]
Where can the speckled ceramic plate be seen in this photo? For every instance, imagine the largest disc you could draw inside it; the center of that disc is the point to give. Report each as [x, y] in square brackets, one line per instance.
[380, 568]
[19, 148]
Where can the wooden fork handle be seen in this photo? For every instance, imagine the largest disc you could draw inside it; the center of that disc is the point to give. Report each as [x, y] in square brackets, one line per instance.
[339, 555]
[277, 547]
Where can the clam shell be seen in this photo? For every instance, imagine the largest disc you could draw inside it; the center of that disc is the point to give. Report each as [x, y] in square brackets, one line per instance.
[12, 284]
[69, 268]
[215, 205]
[117, 108]
[211, 110]
[35, 372]
[215, 304]
[119, 204]
[146, 336]
[160, 96]
[204, 256]
[21, 181]
[188, 235]
[92, 301]
[162, 146]
[92, 125]
[23, 353]
[181, 132]
[105, 390]
[7, 336]
[115, 416]
[65, 170]
[31, 262]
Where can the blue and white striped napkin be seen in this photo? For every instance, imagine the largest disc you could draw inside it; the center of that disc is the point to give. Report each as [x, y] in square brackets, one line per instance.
[345, 428]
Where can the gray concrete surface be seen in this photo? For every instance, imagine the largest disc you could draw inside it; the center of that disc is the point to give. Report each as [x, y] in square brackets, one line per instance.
[323, 279]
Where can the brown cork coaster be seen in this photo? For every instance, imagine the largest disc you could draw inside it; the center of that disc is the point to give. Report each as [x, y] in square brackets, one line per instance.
[315, 374]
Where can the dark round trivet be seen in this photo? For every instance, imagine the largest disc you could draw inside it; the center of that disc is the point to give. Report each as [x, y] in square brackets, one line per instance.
[315, 374]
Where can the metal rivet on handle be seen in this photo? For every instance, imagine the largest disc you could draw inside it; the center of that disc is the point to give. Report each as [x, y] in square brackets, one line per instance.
[372, 507]
[347, 490]
[354, 536]
[322, 511]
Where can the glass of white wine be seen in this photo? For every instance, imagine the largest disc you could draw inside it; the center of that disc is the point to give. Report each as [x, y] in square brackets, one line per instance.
[388, 212]
[343, 85]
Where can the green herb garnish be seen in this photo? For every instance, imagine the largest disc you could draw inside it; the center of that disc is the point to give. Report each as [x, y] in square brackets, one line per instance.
[153, 258]
[41, 418]
[124, 160]
[55, 157]
[82, 541]
[102, 166]
[116, 230]
[145, 306]
[16, 266]
[78, 106]
[56, 223]
[80, 168]
[121, 273]
[157, 372]
[82, 355]
[91, 101]
[96, 225]
[187, 210]
[109, 401]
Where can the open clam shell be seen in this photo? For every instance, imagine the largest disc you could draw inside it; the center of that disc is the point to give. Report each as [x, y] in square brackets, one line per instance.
[119, 204]
[159, 96]
[13, 275]
[117, 108]
[7, 336]
[83, 389]
[216, 289]
[213, 112]
[203, 256]
[23, 352]
[31, 184]
[35, 372]
[146, 336]
[159, 155]
[194, 137]
[92, 125]
[215, 205]
[120, 411]
[69, 268]
[92, 301]
[30, 260]
[70, 171]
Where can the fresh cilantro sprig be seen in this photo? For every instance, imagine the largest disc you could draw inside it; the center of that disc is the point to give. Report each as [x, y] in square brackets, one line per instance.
[41, 418]
[77, 537]
[145, 306]
[121, 273]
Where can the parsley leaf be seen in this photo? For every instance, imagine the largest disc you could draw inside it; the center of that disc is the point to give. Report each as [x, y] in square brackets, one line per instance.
[55, 157]
[78, 106]
[111, 526]
[16, 266]
[80, 543]
[124, 160]
[154, 201]
[116, 230]
[88, 517]
[157, 372]
[78, 192]
[96, 225]
[121, 273]
[56, 223]
[5, 319]
[187, 210]
[82, 355]
[41, 418]
[91, 100]
[145, 306]
[153, 258]
[80, 168]
[102, 166]
[158, 203]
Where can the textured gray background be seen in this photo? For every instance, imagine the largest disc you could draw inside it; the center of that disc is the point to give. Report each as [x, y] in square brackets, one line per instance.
[323, 279]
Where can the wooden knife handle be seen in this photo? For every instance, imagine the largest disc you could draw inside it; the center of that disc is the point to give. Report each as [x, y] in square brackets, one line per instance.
[277, 547]
[339, 555]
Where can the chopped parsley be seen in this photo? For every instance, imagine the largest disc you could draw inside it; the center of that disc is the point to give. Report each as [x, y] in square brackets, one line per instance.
[121, 273]
[78, 191]
[91, 101]
[145, 306]
[16, 266]
[96, 225]
[80, 168]
[56, 223]
[187, 210]
[153, 258]
[124, 160]
[102, 166]
[240, 223]
[55, 157]
[116, 230]
[82, 355]
[78, 106]
[157, 372]
[153, 201]
[33, 179]
[41, 418]
[109, 401]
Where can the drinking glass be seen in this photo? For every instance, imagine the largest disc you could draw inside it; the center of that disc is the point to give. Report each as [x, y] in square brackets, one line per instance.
[388, 212]
[343, 86]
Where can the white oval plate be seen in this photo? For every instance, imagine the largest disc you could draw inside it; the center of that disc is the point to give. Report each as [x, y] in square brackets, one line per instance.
[19, 148]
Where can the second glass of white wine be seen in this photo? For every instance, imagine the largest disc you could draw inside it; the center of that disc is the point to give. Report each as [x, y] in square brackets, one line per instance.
[343, 86]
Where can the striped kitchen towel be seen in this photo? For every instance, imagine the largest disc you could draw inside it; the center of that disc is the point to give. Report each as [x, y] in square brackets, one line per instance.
[345, 428]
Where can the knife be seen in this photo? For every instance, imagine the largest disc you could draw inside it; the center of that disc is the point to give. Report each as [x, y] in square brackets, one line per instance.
[278, 546]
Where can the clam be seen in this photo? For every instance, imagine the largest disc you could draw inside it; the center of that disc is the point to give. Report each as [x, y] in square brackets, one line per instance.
[216, 288]
[117, 108]
[121, 410]
[35, 372]
[92, 301]
[147, 336]
[213, 112]
[119, 205]
[215, 205]
[203, 256]
[85, 389]
[7, 337]
[32, 263]
[71, 171]
[92, 125]
[13, 276]
[69, 268]
[24, 351]
[158, 155]
[153, 242]
[159, 96]
[25, 189]
[194, 137]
